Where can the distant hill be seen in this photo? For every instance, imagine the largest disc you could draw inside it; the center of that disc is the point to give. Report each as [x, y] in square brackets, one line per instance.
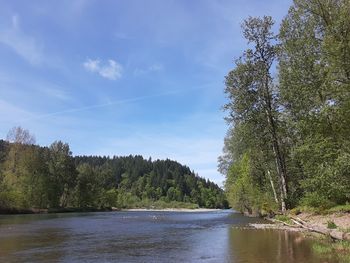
[50, 177]
[160, 179]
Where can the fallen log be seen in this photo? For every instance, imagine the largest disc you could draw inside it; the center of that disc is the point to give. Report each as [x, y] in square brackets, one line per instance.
[284, 223]
[334, 234]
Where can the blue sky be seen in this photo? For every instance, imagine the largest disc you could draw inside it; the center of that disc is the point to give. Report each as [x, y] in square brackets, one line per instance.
[124, 77]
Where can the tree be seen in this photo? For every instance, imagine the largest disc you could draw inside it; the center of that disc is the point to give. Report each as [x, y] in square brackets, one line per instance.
[18, 135]
[62, 174]
[17, 168]
[314, 69]
[50, 177]
[252, 95]
[87, 189]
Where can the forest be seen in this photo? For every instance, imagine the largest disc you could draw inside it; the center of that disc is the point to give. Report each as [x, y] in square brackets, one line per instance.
[38, 177]
[288, 111]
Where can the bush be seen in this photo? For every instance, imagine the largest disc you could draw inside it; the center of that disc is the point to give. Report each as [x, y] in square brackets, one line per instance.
[315, 200]
[284, 218]
[331, 225]
[295, 211]
[340, 208]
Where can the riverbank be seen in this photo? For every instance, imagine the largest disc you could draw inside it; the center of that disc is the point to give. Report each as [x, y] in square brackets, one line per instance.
[331, 230]
[14, 211]
[335, 225]
[171, 210]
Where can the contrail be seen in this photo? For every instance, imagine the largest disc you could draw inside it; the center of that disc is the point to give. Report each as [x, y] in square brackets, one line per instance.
[117, 102]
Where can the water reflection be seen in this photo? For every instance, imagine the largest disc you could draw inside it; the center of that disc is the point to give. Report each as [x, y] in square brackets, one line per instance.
[251, 245]
[41, 245]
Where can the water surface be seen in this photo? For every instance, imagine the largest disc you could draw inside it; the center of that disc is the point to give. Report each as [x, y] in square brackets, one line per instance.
[215, 236]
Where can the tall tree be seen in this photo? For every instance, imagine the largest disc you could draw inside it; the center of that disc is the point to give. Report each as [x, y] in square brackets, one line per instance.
[251, 91]
[62, 174]
[16, 167]
[314, 67]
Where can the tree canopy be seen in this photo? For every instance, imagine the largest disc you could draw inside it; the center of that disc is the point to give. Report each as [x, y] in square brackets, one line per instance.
[51, 177]
[288, 109]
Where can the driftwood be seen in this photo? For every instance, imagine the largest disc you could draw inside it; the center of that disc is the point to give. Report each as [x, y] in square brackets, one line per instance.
[301, 224]
[284, 223]
[334, 234]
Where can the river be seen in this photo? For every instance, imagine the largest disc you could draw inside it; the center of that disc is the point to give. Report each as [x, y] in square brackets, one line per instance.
[214, 236]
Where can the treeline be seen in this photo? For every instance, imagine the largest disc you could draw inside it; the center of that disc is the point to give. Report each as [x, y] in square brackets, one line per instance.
[51, 177]
[288, 144]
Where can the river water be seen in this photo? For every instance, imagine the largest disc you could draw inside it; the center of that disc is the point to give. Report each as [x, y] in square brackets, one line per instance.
[215, 236]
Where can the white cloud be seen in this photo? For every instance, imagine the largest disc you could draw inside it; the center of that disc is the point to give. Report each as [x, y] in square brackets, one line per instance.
[24, 45]
[91, 65]
[111, 70]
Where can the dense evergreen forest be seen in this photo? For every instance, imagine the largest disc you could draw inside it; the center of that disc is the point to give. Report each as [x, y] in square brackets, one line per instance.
[288, 143]
[50, 177]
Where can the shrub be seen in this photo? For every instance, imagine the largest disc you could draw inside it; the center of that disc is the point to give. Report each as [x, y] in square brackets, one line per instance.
[331, 225]
[283, 218]
[315, 200]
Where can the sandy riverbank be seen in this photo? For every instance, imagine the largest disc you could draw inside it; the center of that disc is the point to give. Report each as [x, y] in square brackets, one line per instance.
[309, 222]
[277, 226]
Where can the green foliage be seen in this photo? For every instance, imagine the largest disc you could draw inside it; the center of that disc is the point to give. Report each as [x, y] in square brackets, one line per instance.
[256, 123]
[340, 208]
[87, 188]
[41, 177]
[313, 199]
[284, 218]
[109, 198]
[314, 88]
[331, 225]
[243, 194]
[302, 116]
[139, 179]
[62, 174]
[322, 249]
[339, 251]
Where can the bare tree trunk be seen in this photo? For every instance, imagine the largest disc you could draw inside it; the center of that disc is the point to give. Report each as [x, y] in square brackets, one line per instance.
[280, 163]
[280, 170]
[272, 186]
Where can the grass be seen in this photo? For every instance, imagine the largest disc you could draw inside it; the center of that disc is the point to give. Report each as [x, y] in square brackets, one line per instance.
[307, 209]
[331, 225]
[320, 248]
[340, 208]
[339, 250]
[345, 230]
[322, 211]
[284, 219]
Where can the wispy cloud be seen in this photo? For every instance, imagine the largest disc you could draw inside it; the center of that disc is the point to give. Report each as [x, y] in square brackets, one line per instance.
[152, 68]
[114, 102]
[102, 105]
[9, 112]
[111, 70]
[56, 93]
[24, 45]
